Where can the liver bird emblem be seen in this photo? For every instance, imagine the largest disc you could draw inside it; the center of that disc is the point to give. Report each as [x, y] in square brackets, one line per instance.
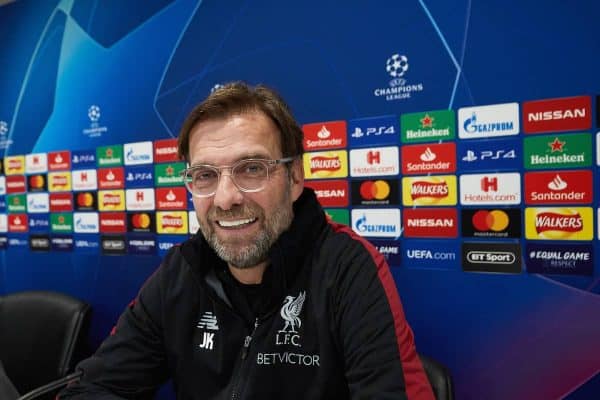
[290, 310]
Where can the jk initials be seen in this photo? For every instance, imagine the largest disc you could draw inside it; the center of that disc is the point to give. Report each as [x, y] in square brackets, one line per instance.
[207, 341]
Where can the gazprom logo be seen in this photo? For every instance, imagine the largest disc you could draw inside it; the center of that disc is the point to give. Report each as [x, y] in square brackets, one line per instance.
[488, 121]
[376, 223]
[138, 153]
[86, 222]
[38, 203]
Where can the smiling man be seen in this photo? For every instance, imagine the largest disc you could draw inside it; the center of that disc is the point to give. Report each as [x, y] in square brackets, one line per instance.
[271, 300]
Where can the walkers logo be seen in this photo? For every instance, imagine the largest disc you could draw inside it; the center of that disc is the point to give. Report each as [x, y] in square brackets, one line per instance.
[491, 257]
[555, 115]
[437, 190]
[37, 183]
[375, 223]
[380, 192]
[168, 174]
[142, 245]
[60, 202]
[428, 158]
[568, 259]
[39, 223]
[427, 127]
[113, 245]
[165, 151]
[430, 222]
[36, 163]
[38, 203]
[15, 184]
[109, 156]
[290, 313]
[111, 200]
[440, 254]
[500, 154]
[488, 121]
[330, 164]
[568, 223]
[140, 222]
[138, 153]
[59, 160]
[83, 159]
[140, 199]
[338, 215]
[86, 201]
[16, 203]
[61, 222]
[390, 249]
[111, 178]
[17, 223]
[172, 222]
[377, 161]
[397, 67]
[84, 179]
[173, 198]
[558, 151]
[86, 222]
[559, 187]
[113, 222]
[491, 223]
[139, 176]
[504, 188]
[59, 181]
[14, 165]
[39, 242]
[373, 131]
[333, 193]
[324, 135]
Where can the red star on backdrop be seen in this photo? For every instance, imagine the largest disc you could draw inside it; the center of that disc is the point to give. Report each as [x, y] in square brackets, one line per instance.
[169, 170]
[556, 145]
[109, 153]
[427, 121]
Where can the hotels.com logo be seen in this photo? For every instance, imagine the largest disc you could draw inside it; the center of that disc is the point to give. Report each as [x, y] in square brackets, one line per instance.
[489, 184]
[501, 188]
[378, 161]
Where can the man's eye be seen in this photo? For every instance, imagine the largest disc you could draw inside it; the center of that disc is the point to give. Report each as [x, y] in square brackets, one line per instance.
[204, 175]
[252, 168]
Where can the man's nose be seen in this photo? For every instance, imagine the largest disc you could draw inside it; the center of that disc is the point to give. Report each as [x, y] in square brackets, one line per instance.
[227, 193]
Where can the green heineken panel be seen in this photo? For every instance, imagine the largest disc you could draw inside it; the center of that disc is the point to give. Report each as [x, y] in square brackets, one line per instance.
[168, 174]
[16, 203]
[109, 156]
[558, 151]
[341, 216]
[430, 126]
[61, 222]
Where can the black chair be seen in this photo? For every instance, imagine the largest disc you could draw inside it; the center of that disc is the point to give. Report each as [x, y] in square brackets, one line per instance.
[42, 336]
[439, 378]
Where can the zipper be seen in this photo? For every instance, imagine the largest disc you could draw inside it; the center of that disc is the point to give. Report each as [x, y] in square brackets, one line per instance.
[243, 355]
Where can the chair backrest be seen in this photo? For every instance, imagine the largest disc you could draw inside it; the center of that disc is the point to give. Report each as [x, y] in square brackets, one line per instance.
[41, 335]
[439, 378]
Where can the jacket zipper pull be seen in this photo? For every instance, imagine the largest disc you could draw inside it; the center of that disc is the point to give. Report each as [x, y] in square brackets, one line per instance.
[247, 341]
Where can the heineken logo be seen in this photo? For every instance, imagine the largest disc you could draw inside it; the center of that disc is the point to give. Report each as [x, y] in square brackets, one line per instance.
[432, 125]
[559, 151]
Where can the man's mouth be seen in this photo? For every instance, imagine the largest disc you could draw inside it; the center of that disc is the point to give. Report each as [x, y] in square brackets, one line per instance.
[235, 223]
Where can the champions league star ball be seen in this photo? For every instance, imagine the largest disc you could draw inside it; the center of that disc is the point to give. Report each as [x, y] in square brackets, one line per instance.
[94, 113]
[396, 65]
[3, 127]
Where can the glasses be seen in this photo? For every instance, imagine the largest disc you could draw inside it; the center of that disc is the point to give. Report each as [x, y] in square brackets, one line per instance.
[250, 175]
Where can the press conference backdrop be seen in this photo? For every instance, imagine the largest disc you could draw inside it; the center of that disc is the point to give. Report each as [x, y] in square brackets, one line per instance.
[459, 137]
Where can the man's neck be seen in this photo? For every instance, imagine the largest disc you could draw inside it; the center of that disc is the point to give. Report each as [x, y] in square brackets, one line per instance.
[249, 276]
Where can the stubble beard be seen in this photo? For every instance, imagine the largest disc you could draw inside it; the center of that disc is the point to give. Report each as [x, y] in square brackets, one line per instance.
[243, 256]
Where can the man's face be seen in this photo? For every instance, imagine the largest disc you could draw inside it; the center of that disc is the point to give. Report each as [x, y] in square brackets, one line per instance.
[241, 227]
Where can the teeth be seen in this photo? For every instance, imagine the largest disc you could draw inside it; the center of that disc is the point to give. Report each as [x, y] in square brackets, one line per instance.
[229, 224]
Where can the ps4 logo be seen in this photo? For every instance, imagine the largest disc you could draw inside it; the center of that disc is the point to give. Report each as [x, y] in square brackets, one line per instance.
[375, 131]
[483, 155]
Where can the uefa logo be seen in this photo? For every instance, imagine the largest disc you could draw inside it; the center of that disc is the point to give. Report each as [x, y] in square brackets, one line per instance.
[3, 128]
[399, 88]
[94, 113]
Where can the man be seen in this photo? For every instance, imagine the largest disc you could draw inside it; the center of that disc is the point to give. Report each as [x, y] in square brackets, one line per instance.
[271, 300]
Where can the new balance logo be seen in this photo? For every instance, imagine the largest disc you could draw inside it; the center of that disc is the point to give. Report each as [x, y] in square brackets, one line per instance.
[208, 321]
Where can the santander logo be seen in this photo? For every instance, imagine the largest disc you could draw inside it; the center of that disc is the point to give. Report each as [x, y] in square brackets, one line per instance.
[557, 183]
[428, 155]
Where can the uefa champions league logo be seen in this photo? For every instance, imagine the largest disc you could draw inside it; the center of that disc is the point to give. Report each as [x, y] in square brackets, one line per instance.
[3, 128]
[397, 66]
[94, 113]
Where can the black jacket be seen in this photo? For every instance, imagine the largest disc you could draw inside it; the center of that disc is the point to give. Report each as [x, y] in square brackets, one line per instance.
[334, 328]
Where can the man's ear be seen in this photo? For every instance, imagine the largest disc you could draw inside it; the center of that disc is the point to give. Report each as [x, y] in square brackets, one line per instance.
[296, 174]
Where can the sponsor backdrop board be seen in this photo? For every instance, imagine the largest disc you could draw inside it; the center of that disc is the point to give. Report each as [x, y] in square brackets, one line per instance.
[465, 153]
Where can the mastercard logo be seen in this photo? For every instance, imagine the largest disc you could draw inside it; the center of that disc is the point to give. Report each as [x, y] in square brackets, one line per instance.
[36, 181]
[140, 221]
[495, 220]
[374, 190]
[85, 199]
